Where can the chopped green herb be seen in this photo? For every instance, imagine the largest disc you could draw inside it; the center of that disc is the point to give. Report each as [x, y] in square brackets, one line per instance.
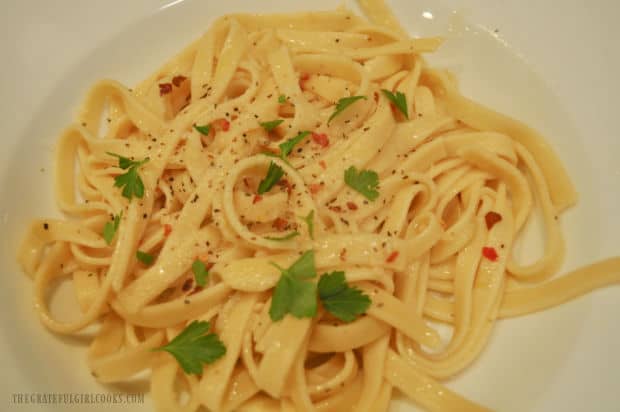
[274, 174]
[130, 181]
[282, 99]
[270, 126]
[310, 222]
[398, 100]
[144, 257]
[343, 104]
[200, 272]
[123, 162]
[110, 228]
[341, 300]
[287, 147]
[192, 348]
[295, 293]
[289, 236]
[206, 129]
[364, 182]
[272, 154]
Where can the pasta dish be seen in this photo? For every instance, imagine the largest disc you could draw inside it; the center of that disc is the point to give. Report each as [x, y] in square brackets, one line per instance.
[283, 215]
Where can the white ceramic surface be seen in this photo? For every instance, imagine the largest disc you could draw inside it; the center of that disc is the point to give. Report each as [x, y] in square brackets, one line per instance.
[552, 64]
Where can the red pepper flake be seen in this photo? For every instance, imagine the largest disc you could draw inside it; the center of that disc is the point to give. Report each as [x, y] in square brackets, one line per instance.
[209, 265]
[257, 199]
[164, 88]
[303, 79]
[315, 188]
[336, 209]
[177, 80]
[489, 253]
[285, 183]
[280, 224]
[351, 206]
[392, 257]
[167, 229]
[321, 139]
[221, 124]
[492, 218]
[323, 164]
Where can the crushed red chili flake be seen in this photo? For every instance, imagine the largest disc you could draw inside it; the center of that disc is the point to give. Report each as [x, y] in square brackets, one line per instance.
[490, 253]
[164, 88]
[323, 164]
[491, 218]
[285, 183]
[336, 209]
[257, 198]
[392, 257]
[321, 139]
[167, 229]
[221, 124]
[177, 80]
[315, 188]
[351, 206]
[303, 79]
[280, 224]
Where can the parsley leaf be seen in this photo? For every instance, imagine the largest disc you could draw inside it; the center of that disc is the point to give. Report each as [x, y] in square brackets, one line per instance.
[399, 100]
[364, 182]
[200, 272]
[287, 147]
[270, 126]
[343, 104]
[192, 348]
[281, 299]
[274, 174]
[130, 181]
[206, 129]
[282, 99]
[288, 236]
[295, 293]
[144, 257]
[341, 300]
[310, 222]
[110, 228]
[123, 162]
[303, 268]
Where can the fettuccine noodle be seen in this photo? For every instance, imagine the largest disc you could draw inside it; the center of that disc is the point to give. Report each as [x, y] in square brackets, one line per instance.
[458, 182]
